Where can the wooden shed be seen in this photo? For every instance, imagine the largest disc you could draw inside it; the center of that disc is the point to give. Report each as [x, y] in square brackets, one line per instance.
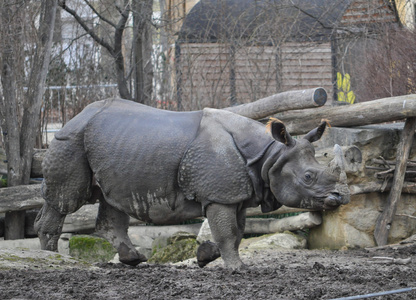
[230, 52]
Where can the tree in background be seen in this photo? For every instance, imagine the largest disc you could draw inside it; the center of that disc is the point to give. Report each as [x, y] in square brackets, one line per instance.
[124, 30]
[19, 110]
[389, 69]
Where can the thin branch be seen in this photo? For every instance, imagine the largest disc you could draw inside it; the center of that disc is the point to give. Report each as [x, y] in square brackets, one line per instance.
[90, 31]
[407, 216]
[99, 15]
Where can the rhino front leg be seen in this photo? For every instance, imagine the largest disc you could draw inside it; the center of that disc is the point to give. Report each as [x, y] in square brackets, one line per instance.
[113, 225]
[48, 225]
[227, 224]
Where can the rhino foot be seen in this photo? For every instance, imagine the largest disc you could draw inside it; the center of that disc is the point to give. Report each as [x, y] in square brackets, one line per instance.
[130, 256]
[206, 253]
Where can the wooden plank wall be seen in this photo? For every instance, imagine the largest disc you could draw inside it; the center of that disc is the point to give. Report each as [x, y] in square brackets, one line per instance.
[256, 73]
[205, 75]
[260, 71]
[307, 66]
[368, 11]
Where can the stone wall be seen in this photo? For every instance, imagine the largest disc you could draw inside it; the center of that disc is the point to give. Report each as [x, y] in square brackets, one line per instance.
[353, 225]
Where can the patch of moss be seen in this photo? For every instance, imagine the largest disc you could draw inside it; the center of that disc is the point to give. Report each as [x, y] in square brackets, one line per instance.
[179, 250]
[91, 249]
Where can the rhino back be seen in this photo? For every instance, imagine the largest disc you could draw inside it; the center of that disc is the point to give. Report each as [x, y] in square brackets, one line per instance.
[134, 152]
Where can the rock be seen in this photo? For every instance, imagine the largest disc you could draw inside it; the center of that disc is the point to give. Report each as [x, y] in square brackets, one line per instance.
[204, 233]
[179, 249]
[142, 241]
[90, 248]
[179, 236]
[286, 240]
[352, 225]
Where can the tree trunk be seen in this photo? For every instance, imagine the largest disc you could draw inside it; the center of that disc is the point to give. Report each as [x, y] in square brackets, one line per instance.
[36, 88]
[372, 112]
[143, 69]
[10, 117]
[20, 140]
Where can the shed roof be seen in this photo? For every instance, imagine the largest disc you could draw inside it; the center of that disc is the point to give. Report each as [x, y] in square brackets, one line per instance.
[264, 20]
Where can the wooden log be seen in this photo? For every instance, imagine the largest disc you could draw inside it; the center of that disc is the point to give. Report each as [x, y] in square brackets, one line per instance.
[299, 222]
[37, 158]
[383, 223]
[83, 220]
[285, 101]
[14, 228]
[372, 112]
[256, 211]
[20, 198]
[375, 186]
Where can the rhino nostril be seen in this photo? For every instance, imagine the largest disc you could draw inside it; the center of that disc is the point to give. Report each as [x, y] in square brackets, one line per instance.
[337, 196]
[334, 199]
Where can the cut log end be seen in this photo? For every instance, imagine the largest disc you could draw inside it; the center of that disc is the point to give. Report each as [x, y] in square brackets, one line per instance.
[320, 96]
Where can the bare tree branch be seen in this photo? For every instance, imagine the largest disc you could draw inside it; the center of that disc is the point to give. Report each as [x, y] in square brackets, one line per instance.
[89, 30]
[99, 15]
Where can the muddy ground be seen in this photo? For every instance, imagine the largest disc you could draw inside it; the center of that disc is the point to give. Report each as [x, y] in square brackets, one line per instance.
[270, 274]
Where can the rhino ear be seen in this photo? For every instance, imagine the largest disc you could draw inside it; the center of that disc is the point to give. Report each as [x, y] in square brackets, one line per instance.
[315, 134]
[279, 132]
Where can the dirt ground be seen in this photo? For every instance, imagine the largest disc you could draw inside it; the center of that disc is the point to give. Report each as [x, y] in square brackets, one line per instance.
[270, 274]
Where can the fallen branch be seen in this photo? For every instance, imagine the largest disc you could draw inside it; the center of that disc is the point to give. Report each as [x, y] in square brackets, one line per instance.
[391, 260]
[407, 216]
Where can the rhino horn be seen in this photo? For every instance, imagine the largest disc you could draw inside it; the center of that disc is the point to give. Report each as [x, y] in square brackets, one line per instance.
[337, 167]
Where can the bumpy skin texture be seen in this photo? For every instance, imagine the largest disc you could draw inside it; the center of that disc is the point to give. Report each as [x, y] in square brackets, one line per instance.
[166, 167]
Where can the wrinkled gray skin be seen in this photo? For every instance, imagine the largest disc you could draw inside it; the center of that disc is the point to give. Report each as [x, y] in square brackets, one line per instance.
[166, 167]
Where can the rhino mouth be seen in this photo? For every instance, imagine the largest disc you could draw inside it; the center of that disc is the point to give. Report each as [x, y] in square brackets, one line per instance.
[333, 201]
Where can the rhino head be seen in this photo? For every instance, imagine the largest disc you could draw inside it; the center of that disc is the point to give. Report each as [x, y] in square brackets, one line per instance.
[294, 176]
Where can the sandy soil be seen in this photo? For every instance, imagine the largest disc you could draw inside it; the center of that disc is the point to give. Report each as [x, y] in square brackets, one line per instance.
[270, 274]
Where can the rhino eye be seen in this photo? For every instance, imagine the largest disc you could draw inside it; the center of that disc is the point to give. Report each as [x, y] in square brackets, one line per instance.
[308, 178]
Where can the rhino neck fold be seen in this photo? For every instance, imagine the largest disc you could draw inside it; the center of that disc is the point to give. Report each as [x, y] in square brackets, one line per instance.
[256, 167]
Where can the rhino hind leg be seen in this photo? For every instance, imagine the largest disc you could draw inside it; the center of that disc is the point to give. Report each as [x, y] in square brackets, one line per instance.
[48, 225]
[227, 224]
[112, 225]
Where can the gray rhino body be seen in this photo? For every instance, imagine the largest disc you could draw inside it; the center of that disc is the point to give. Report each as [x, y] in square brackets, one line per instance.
[167, 167]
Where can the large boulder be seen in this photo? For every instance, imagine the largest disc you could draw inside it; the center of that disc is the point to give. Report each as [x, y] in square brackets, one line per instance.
[352, 225]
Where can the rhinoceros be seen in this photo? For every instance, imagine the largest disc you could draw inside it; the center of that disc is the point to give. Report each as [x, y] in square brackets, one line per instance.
[166, 167]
